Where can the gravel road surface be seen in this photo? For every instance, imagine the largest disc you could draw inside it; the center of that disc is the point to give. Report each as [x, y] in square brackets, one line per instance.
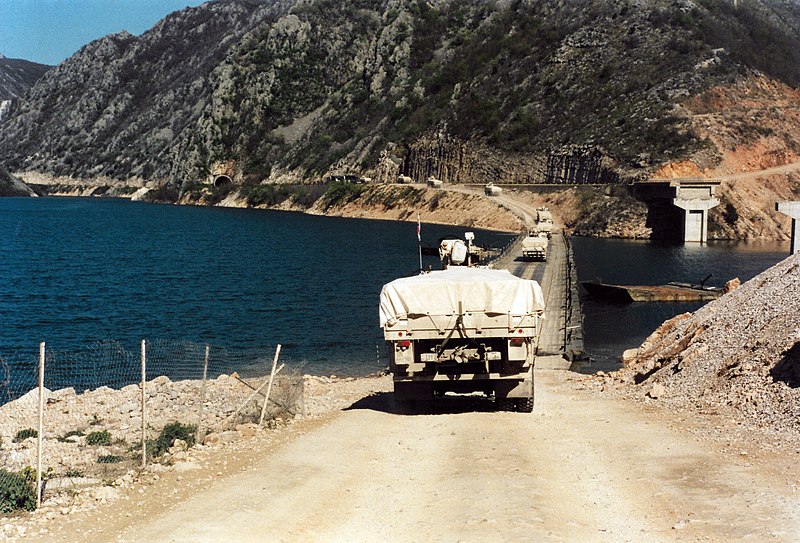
[581, 467]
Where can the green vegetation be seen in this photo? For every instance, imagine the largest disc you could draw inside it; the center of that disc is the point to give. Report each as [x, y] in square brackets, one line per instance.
[266, 195]
[168, 435]
[110, 459]
[70, 434]
[340, 193]
[101, 437]
[25, 434]
[17, 491]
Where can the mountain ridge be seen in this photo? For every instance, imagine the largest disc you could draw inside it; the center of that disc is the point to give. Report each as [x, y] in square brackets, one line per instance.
[465, 91]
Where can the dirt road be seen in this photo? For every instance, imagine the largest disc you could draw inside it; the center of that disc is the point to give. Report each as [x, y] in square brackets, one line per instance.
[581, 467]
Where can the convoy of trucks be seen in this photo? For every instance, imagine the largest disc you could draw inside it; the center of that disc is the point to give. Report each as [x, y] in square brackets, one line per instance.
[463, 329]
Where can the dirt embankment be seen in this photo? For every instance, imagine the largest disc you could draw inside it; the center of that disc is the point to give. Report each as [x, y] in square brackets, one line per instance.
[738, 355]
[407, 203]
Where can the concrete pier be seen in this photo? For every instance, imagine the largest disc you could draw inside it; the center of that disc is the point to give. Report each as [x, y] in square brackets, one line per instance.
[793, 210]
[695, 198]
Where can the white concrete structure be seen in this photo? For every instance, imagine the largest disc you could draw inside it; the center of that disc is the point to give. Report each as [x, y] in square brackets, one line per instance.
[695, 197]
[793, 210]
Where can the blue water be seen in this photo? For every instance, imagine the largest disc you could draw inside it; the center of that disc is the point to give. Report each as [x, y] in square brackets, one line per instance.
[75, 271]
[610, 328]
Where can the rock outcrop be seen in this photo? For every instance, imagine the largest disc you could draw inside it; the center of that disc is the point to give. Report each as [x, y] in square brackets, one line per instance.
[12, 186]
[17, 76]
[740, 352]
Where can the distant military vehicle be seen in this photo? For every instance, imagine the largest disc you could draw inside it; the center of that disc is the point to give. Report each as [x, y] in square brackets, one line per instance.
[535, 245]
[434, 183]
[544, 220]
[491, 190]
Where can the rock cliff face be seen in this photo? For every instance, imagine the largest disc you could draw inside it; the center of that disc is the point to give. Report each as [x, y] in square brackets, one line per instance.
[17, 76]
[475, 91]
[11, 186]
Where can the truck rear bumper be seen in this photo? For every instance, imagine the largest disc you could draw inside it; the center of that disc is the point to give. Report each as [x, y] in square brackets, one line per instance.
[503, 386]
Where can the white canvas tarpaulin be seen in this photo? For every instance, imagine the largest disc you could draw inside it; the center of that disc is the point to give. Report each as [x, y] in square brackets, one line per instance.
[479, 290]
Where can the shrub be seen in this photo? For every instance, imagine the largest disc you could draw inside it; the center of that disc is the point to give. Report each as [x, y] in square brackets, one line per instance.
[17, 492]
[163, 193]
[341, 192]
[731, 214]
[25, 434]
[269, 195]
[168, 435]
[70, 434]
[109, 459]
[102, 437]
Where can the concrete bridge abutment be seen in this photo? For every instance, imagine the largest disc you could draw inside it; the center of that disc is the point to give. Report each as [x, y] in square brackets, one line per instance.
[793, 210]
[695, 218]
[695, 197]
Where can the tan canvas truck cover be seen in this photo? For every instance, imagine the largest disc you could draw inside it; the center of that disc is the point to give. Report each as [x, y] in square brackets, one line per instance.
[477, 290]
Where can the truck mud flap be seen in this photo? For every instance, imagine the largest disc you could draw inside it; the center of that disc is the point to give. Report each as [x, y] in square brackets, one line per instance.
[513, 389]
[415, 391]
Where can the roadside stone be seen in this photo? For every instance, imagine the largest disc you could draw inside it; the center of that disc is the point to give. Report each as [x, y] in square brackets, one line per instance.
[247, 430]
[106, 493]
[657, 391]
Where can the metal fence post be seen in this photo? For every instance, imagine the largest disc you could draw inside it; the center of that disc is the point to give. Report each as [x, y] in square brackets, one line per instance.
[144, 413]
[41, 428]
[203, 396]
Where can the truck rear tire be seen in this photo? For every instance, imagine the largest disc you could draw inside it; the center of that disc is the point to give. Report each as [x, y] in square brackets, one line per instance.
[505, 404]
[524, 405]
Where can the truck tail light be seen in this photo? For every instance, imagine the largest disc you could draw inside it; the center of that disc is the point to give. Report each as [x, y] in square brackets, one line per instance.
[404, 344]
[516, 342]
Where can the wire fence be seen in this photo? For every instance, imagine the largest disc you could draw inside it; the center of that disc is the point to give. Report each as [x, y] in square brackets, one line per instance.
[93, 414]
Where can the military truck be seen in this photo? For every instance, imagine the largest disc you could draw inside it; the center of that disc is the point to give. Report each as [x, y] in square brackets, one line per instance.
[534, 245]
[544, 221]
[463, 330]
[434, 183]
[492, 190]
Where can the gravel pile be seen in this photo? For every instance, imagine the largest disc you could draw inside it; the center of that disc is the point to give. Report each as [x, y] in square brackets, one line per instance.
[740, 353]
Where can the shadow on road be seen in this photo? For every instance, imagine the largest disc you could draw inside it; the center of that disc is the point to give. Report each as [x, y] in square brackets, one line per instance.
[446, 405]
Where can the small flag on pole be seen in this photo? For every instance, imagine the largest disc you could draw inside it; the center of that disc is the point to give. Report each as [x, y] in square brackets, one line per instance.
[419, 242]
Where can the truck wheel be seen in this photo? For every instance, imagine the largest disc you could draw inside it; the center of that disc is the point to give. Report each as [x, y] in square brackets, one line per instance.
[524, 405]
[505, 404]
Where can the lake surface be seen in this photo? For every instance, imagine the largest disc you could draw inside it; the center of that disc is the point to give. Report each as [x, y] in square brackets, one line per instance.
[75, 271]
[611, 328]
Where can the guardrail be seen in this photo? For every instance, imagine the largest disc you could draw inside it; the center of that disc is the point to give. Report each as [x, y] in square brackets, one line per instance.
[573, 316]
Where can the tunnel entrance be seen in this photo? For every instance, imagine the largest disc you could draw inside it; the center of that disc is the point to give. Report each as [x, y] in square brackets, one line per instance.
[222, 181]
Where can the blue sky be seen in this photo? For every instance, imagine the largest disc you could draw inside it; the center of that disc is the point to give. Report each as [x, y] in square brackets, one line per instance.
[49, 31]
